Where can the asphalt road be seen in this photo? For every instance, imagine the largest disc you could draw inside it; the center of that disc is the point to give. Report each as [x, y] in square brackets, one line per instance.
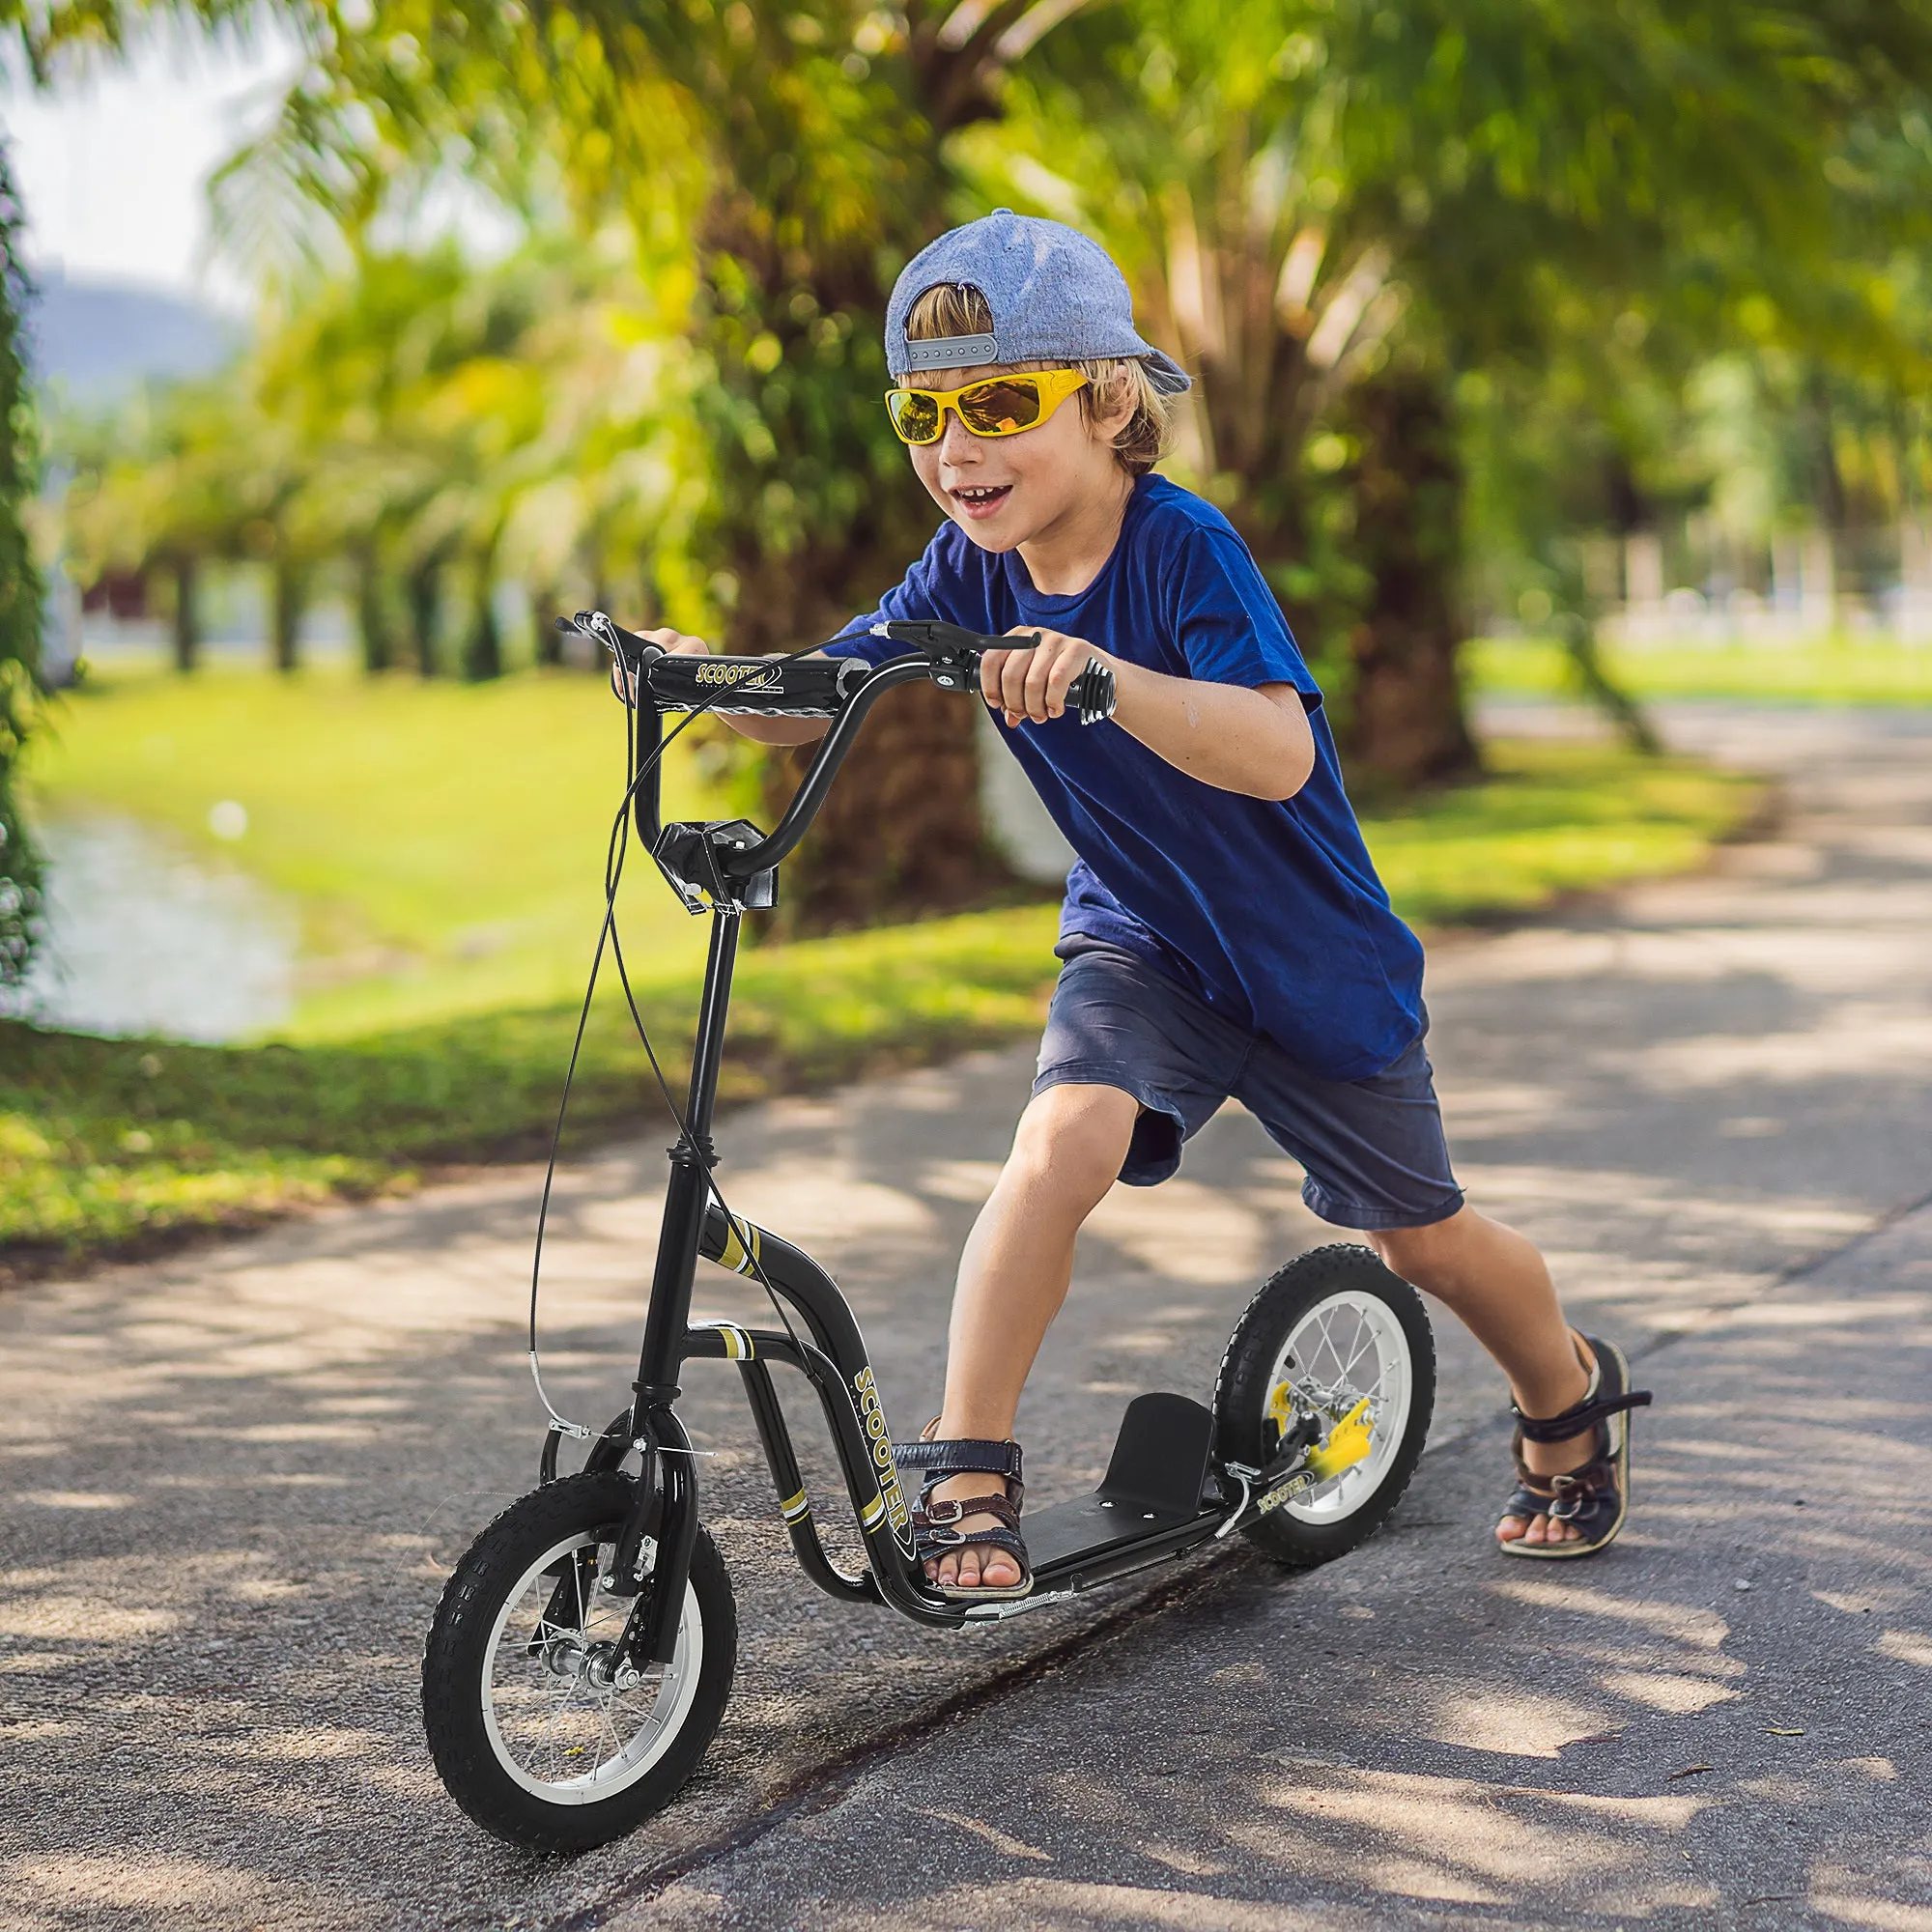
[234, 1481]
[1723, 1722]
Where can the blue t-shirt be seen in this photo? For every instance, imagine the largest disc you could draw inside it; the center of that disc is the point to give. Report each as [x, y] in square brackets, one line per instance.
[1270, 911]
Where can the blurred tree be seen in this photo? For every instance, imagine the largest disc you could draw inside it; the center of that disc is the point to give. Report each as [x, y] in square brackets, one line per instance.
[20, 599]
[802, 152]
[1338, 211]
[1305, 192]
[1711, 388]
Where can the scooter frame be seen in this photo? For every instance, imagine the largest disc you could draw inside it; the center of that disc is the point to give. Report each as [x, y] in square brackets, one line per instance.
[1165, 1492]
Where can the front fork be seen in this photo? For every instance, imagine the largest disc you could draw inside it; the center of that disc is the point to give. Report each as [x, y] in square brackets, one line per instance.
[651, 1563]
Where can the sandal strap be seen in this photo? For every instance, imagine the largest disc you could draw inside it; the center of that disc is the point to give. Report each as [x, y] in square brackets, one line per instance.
[1527, 1502]
[1574, 1421]
[942, 1541]
[1579, 1502]
[1578, 1492]
[962, 1456]
[938, 1523]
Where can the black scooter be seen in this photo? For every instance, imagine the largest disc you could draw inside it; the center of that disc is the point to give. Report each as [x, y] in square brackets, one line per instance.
[582, 1655]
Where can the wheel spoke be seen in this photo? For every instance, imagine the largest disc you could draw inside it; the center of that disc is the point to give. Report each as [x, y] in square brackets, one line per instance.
[561, 1731]
[1345, 1335]
[1325, 1318]
[1362, 1347]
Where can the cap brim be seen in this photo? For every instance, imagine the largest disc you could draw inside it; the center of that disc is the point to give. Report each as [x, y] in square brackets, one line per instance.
[1166, 374]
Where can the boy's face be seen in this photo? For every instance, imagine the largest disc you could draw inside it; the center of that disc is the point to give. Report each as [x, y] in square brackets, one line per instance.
[1005, 491]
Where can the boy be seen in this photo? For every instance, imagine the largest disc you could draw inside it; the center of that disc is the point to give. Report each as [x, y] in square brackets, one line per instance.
[1224, 932]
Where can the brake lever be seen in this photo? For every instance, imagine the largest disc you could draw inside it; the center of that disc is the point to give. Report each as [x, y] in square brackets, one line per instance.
[954, 653]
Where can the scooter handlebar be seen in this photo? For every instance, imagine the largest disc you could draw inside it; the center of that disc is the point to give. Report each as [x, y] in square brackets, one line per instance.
[954, 654]
[821, 686]
[840, 688]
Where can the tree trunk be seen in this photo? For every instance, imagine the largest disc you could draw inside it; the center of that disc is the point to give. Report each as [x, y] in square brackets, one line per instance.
[186, 618]
[290, 597]
[814, 508]
[546, 639]
[372, 613]
[423, 587]
[483, 647]
[1405, 725]
[900, 832]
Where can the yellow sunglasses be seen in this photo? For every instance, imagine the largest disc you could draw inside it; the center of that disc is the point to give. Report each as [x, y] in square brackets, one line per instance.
[994, 406]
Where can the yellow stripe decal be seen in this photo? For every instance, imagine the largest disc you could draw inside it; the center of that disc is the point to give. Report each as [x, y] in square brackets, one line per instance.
[738, 1344]
[736, 1256]
[874, 1514]
[795, 1506]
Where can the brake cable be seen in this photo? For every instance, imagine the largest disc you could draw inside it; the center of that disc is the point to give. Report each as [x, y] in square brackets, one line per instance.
[615, 855]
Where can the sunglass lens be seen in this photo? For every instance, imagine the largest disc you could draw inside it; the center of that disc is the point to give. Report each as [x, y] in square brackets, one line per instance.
[1000, 407]
[915, 414]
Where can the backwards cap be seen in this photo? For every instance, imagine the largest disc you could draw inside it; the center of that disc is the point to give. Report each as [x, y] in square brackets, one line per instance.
[1055, 293]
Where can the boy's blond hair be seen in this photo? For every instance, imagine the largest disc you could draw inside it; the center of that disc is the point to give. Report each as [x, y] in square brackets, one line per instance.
[960, 309]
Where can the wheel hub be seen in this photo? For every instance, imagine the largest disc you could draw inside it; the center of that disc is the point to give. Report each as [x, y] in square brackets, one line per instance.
[600, 1665]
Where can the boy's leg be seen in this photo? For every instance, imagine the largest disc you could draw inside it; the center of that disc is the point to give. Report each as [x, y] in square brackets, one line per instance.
[1497, 1286]
[1068, 1151]
[1376, 1160]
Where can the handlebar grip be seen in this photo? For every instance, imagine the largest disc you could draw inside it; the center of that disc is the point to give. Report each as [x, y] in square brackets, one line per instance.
[954, 653]
[1093, 694]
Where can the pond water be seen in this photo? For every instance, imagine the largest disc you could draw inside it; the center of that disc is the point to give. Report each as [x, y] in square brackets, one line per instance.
[142, 938]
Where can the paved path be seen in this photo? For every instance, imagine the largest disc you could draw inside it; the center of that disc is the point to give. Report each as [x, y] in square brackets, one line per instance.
[233, 1482]
[1721, 1724]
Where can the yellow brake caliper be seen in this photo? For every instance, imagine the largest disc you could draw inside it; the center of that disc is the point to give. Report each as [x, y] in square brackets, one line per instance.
[1349, 1442]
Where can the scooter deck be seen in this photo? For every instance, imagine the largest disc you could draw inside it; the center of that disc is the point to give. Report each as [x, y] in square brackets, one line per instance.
[1151, 1502]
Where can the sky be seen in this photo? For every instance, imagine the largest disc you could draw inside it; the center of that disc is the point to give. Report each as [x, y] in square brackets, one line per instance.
[112, 167]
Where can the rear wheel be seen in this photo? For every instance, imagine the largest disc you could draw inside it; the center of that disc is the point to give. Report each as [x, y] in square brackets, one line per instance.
[539, 1726]
[1333, 1336]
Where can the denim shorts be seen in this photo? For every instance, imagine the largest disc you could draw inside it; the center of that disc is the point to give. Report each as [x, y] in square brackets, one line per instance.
[1373, 1150]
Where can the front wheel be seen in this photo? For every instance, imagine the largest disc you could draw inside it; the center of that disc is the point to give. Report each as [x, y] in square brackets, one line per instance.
[1336, 1337]
[539, 1728]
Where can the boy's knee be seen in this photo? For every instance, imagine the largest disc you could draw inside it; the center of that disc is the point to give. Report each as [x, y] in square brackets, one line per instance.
[1418, 1253]
[1075, 1135]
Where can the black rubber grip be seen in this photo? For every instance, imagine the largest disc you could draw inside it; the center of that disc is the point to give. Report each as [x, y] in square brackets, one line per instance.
[1091, 696]
[955, 653]
[771, 687]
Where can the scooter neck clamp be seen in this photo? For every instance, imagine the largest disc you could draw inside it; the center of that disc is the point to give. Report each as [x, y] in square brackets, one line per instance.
[694, 1150]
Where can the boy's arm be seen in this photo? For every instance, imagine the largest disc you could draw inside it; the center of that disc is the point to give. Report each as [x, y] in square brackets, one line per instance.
[766, 731]
[1252, 740]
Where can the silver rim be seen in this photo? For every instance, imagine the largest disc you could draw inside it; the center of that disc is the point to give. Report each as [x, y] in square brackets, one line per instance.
[1347, 1347]
[566, 1720]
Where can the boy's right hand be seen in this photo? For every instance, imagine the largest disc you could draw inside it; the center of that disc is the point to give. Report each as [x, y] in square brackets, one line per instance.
[674, 641]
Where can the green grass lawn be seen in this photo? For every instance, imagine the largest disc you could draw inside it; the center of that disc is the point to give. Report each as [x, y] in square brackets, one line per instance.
[444, 842]
[401, 819]
[1843, 670]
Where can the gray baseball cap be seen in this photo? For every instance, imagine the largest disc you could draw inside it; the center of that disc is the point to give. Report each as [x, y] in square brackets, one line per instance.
[1055, 293]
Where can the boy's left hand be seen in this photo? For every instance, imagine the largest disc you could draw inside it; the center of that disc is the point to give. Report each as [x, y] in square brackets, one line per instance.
[1025, 685]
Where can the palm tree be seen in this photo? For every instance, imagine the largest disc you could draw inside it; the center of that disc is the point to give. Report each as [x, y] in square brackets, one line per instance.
[1334, 209]
[799, 154]
[20, 600]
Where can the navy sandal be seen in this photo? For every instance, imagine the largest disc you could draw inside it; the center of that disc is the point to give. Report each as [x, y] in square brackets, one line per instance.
[1593, 1498]
[935, 1525]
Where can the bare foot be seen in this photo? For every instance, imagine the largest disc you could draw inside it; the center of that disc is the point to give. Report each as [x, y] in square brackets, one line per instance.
[975, 1564]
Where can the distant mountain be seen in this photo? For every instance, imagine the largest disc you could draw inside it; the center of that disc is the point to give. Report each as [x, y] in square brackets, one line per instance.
[100, 339]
